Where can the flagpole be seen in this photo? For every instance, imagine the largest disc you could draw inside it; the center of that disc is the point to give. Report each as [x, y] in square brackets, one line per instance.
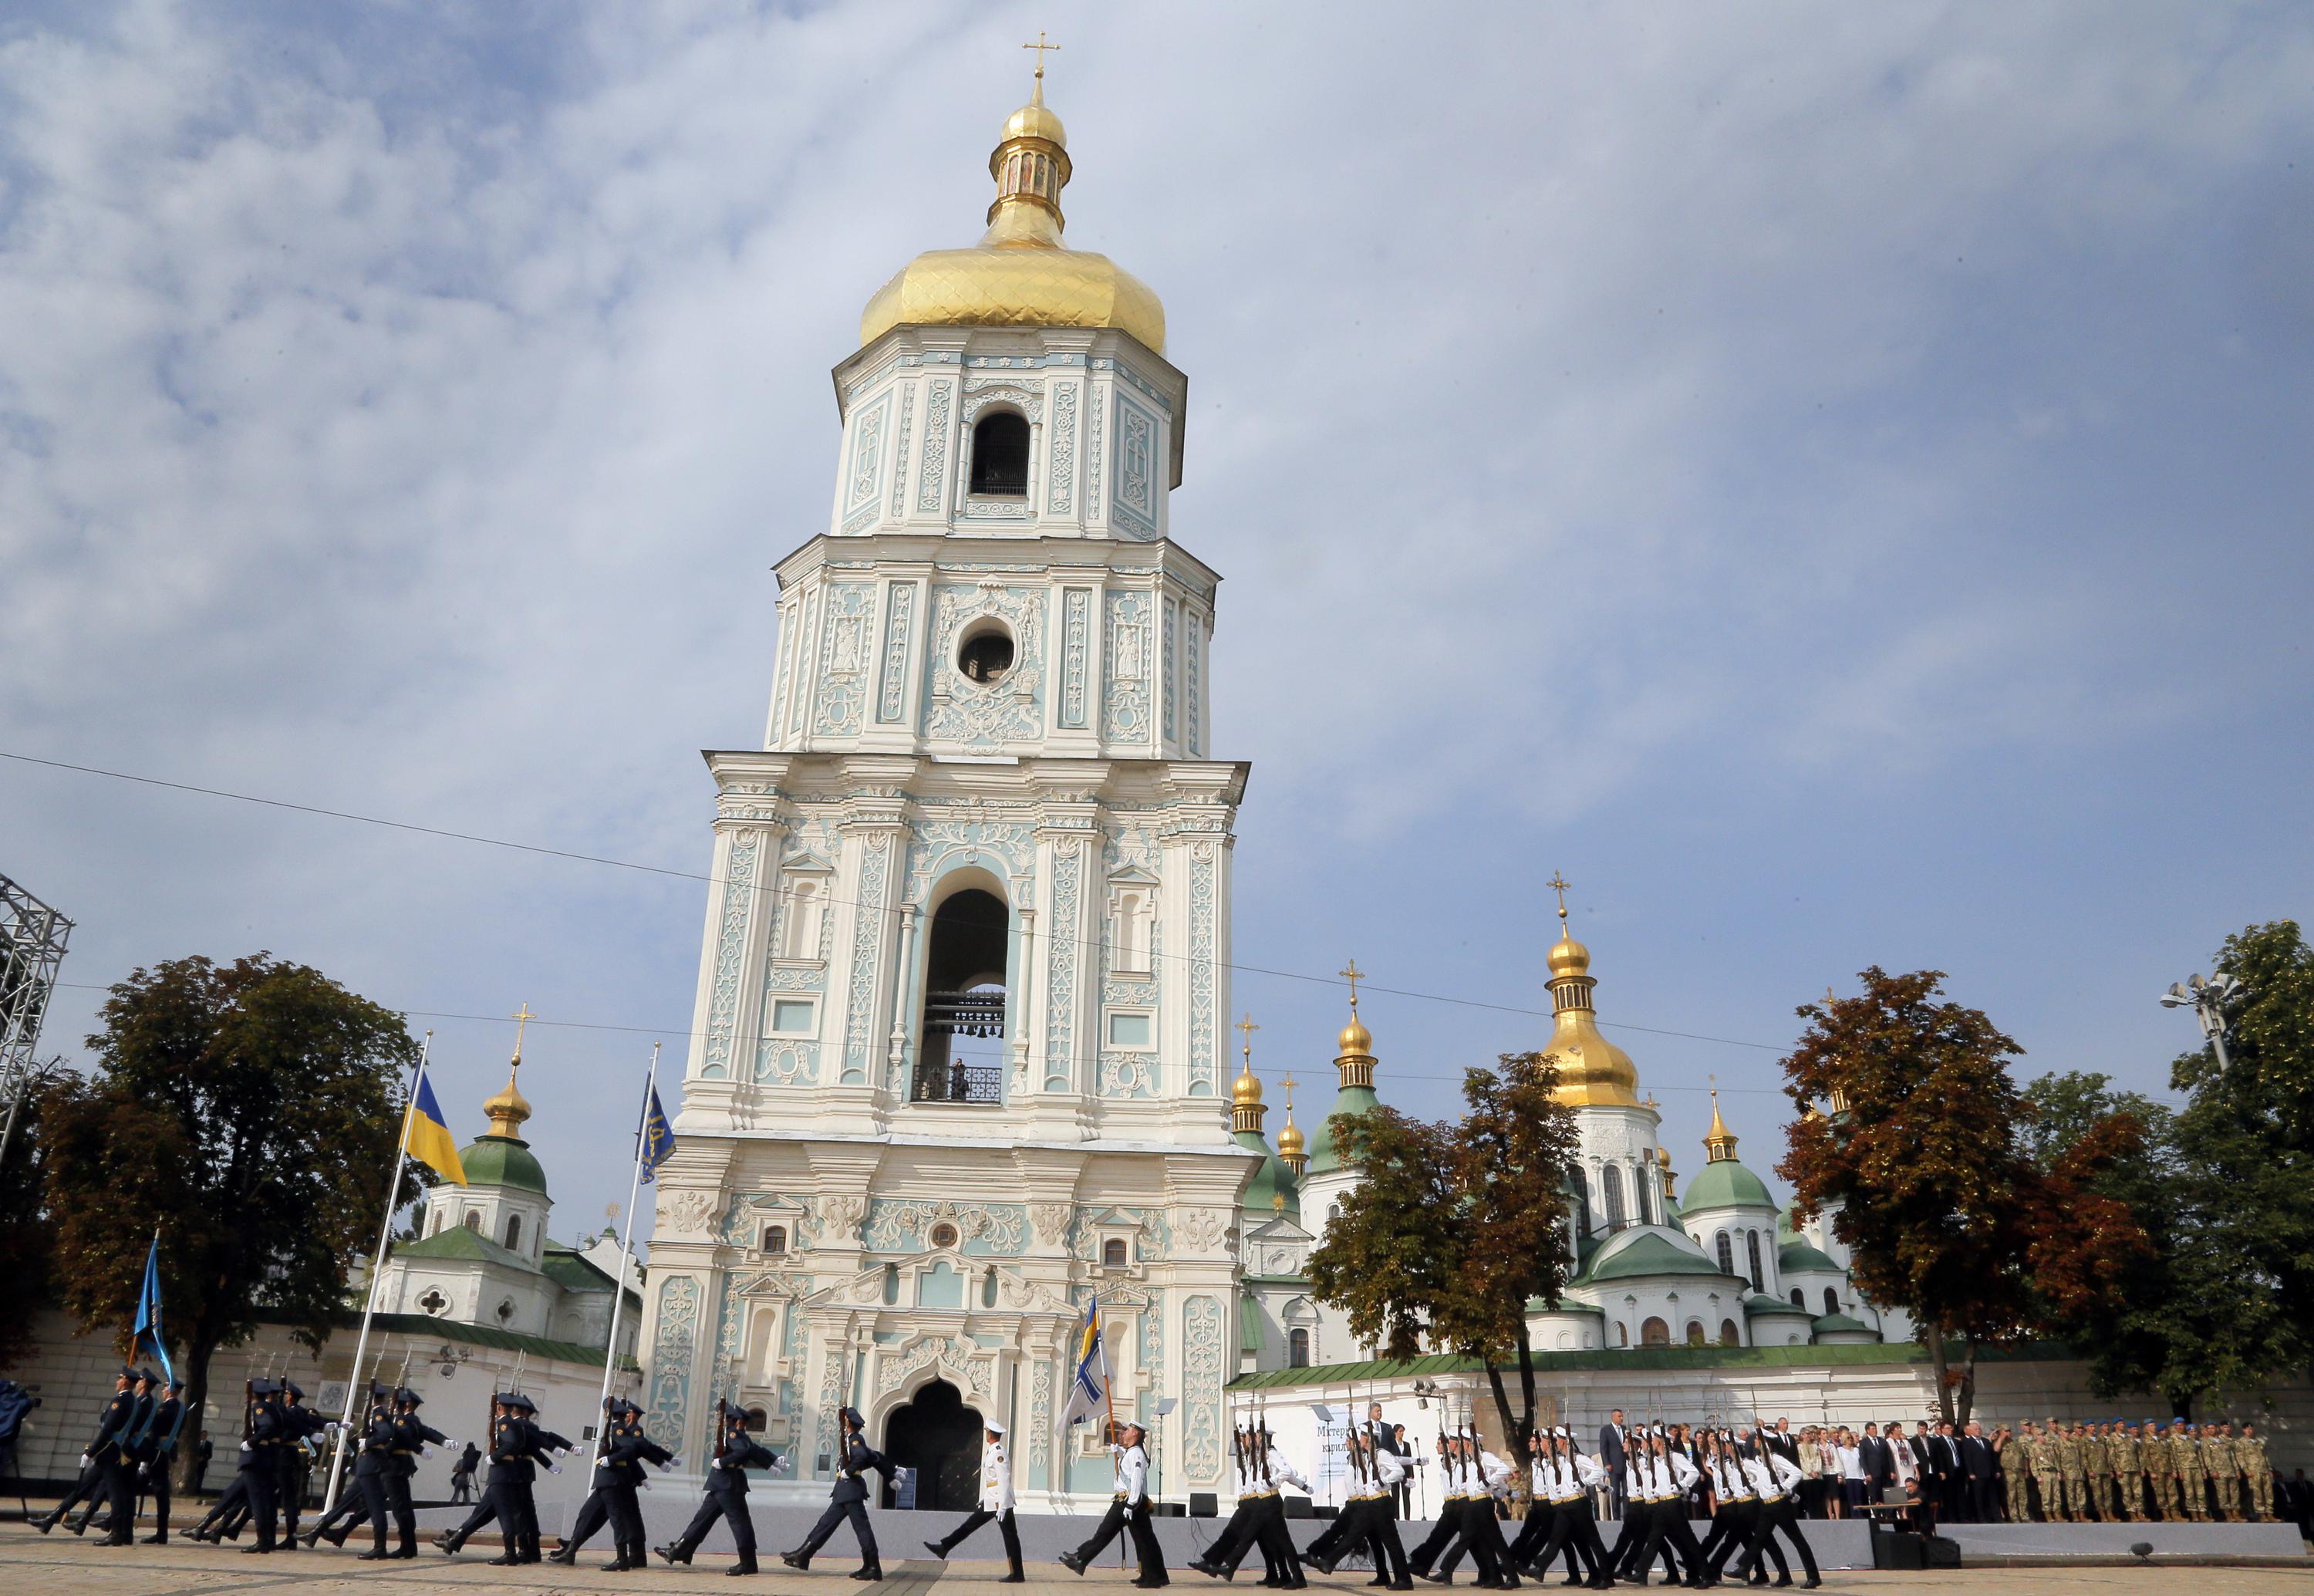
[376, 1268]
[627, 1238]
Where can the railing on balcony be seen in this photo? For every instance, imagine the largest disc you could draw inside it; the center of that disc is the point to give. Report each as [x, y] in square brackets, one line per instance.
[958, 1083]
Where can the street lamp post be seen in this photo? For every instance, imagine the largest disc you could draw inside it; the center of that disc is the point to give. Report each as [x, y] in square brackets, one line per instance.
[2207, 999]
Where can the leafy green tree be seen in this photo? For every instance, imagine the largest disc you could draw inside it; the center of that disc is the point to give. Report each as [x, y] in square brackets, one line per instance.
[247, 1112]
[1454, 1228]
[1925, 1157]
[23, 1216]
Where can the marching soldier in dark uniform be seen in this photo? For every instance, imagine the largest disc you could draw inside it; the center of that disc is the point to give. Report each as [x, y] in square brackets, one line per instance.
[262, 1435]
[410, 1438]
[156, 1453]
[854, 1458]
[112, 1430]
[1128, 1510]
[736, 1452]
[299, 1424]
[618, 1474]
[514, 1454]
[542, 1441]
[364, 1501]
[117, 1467]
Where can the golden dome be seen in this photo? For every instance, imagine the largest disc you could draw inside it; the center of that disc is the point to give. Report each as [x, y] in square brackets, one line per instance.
[1020, 273]
[509, 1108]
[1569, 957]
[1290, 1140]
[1718, 1141]
[1245, 1090]
[1355, 1039]
[1592, 1070]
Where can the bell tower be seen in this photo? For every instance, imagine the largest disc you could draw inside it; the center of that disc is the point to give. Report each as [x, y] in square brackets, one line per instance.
[967, 943]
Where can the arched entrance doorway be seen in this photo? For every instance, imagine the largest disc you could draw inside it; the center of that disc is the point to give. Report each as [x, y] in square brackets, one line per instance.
[939, 1437]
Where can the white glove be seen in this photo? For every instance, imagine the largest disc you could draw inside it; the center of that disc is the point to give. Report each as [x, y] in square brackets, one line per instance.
[555, 1468]
[718, 1463]
[425, 1452]
[559, 1451]
[672, 1463]
[84, 1457]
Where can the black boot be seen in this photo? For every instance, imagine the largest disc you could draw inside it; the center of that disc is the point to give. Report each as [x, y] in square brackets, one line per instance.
[798, 1561]
[937, 1549]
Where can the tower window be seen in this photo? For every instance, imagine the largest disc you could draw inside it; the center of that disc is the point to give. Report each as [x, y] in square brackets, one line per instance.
[1112, 1253]
[985, 655]
[1758, 1279]
[1726, 1253]
[514, 1232]
[1611, 1182]
[474, 1220]
[964, 1001]
[1831, 1301]
[775, 1240]
[1000, 455]
[1297, 1348]
[1643, 1196]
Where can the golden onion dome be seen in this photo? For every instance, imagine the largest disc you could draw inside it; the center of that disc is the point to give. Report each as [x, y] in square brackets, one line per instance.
[1569, 957]
[1021, 273]
[1356, 1038]
[508, 1107]
[1290, 1140]
[1245, 1090]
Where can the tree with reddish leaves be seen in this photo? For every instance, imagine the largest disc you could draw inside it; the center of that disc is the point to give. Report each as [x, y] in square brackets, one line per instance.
[1924, 1161]
[1456, 1227]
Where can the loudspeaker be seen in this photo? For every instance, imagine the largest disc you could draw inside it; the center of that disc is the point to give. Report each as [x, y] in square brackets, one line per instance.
[1296, 1507]
[1201, 1504]
[1940, 1551]
[1898, 1549]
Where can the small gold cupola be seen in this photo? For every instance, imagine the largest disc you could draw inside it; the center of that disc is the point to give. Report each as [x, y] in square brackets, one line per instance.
[1354, 1057]
[509, 1108]
[1292, 1149]
[1718, 1141]
[1592, 1070]
[1246, 1110]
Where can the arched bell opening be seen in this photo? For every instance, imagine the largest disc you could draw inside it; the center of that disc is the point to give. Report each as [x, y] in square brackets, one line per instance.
[961, 1058]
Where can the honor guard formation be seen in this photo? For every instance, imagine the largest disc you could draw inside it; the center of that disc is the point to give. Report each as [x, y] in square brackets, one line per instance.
[1703, 1503]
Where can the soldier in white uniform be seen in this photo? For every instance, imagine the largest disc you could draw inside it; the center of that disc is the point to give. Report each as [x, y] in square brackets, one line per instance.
[1128, 1510]
[996, 1503]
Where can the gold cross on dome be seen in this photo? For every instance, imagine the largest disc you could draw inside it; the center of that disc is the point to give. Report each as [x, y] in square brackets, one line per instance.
[1559, 884]
[1040, 46]
[1353, 974]
[1289, 1083]
[1249, 1028]
[522, 1018]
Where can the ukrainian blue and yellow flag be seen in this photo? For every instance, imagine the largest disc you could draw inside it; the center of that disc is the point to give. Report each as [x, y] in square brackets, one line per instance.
[426, 1137]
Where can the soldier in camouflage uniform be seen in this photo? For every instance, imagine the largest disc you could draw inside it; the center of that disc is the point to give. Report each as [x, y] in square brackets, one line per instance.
[2016, 1474]
[2128, 1472]
[2049, 1474]
[2192, 1469]
[2162, 1475]
[2249, 1452]
[2073, 1457]
[2225, 1473]
[2097, 1452]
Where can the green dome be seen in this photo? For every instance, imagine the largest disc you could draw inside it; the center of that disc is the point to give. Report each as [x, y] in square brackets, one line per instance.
[1797, 1258]
[1761, 1302]
[502, 1161]
[1649, 1252]
[1270, 1182]
[1350, 1099]
[1724, 1184]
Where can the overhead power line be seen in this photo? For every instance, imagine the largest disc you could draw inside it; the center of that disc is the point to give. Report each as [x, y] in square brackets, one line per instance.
[672, 873]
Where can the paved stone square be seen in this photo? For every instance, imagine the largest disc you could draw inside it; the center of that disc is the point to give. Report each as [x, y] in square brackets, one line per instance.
[59, 1565]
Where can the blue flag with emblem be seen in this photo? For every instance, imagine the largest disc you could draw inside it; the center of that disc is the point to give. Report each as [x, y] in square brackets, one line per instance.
[148, 1309]
[1088, 1389]
[657, 1139]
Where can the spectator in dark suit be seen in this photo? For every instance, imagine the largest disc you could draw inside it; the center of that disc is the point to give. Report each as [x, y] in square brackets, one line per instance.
[1976, 1466]
[1610, 1453]
[1879, 1463]
[1783, 1441]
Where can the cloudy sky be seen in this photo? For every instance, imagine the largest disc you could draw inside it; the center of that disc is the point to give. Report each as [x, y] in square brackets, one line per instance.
[1831, 479]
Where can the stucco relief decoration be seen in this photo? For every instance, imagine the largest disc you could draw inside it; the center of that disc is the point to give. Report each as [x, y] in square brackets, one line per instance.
[1201, 1231]
[844, 644]
[1202, 891]
[787, 634]
[783, 1061]
[1034, 1296]
[867, 456]
[1136, 446]
[1125, 696]
[1189, 678]
[1061, 980]
[892, 699]
[1127, 1074]
[686, 1213]
[960, 1356]
[839, 1221]
[900, 454]
[1094, 412]
[1201, 1381]
[730, 945]
[985, 714]
[936, 842]
[1169, 667]
[899, 1226]
[1076, 640]
[867, 944]
[929, 495]
[671, 1354]
[831, 1397]
[1062, 469]
[1050, 1222]
[1040, 1420]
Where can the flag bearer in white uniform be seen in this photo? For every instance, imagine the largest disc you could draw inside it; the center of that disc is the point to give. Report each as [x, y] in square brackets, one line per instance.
[996, 1503]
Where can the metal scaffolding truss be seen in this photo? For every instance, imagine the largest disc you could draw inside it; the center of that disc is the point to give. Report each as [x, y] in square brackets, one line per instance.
[32, 947]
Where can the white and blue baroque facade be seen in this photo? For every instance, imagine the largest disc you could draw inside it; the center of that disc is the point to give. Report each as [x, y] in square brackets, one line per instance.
[958, 1055]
